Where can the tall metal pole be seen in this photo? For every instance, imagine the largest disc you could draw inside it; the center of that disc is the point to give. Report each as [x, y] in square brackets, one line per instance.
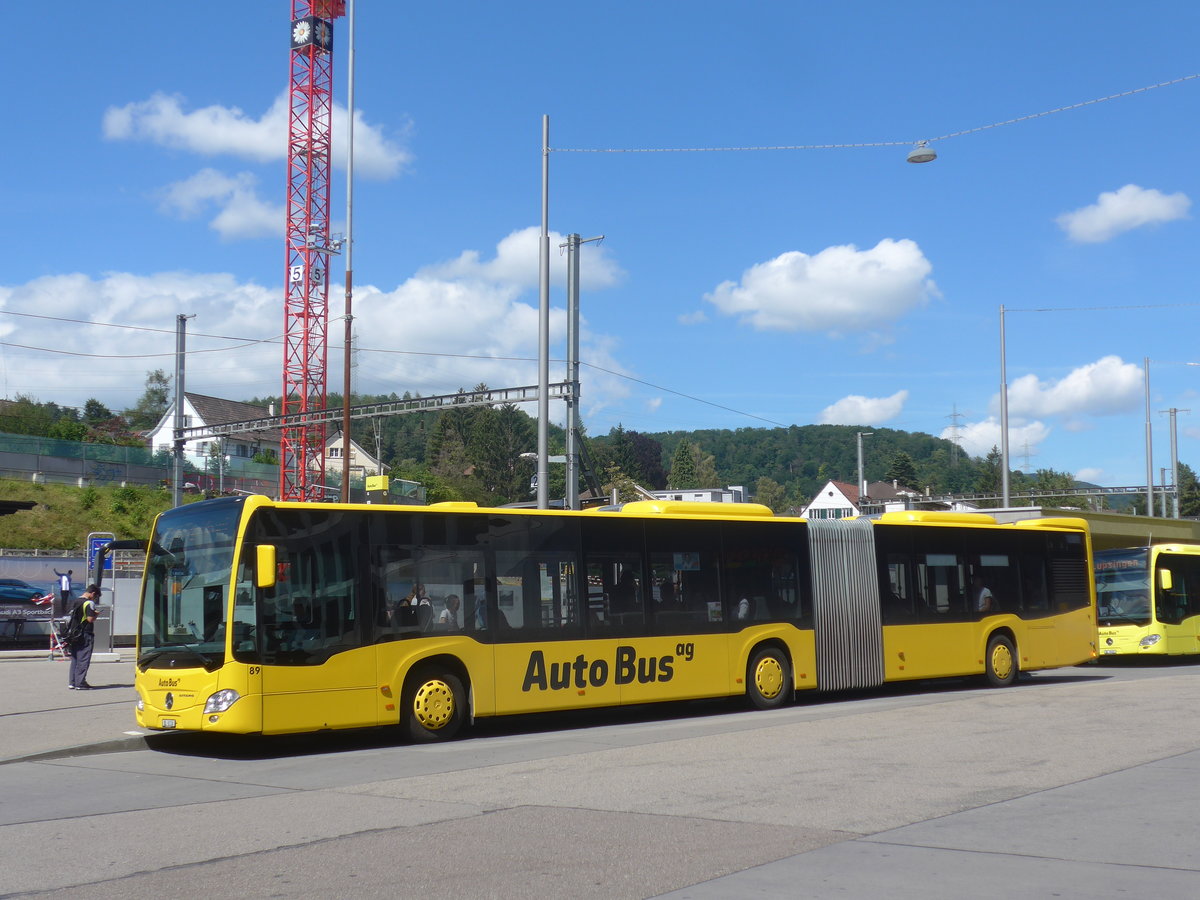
[349, 261]
[862, 484]
[1003, 417]
[572, 495]
[543, 436]
[1175, 465]
[1149, 448]
[177, 455]
[573, 246]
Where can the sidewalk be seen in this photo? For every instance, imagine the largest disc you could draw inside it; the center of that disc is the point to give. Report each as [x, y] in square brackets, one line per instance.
[40, 716]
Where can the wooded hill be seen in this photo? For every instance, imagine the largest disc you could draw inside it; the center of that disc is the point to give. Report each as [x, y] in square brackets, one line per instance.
[475, 453]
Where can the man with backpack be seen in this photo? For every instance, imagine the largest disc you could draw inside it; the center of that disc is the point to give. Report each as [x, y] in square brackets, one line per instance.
[81, 637]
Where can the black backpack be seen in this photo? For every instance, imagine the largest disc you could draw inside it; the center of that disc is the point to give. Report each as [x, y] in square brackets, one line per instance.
[72, 632]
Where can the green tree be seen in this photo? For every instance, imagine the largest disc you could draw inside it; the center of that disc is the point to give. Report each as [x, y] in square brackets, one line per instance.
[1050, 480]
[498, 438]
[683, 468]
[616, 480]
[153, 404]
[770, 493]
[902, 470]
[1189, 492]
[706, 468]
[988, 480]
[95, 412]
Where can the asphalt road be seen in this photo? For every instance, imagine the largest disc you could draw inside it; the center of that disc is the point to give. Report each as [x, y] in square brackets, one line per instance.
[1078, 783]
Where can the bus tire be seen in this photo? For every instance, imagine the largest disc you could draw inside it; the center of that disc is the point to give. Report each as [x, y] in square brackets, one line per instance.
[434, 706]
[768, 679]
[1001, 661]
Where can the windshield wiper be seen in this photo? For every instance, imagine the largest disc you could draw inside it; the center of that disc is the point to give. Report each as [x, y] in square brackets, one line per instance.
[1126, 617]
[187, 652]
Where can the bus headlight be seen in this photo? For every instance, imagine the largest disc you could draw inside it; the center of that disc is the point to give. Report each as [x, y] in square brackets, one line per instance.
[221, 701]
[139, 704]
[1150, 640]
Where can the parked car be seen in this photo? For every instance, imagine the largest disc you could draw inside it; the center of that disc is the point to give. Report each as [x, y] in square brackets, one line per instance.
[21, 618]
[16, 589]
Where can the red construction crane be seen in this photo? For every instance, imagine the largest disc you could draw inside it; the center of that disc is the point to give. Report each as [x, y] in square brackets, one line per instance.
[306, 304]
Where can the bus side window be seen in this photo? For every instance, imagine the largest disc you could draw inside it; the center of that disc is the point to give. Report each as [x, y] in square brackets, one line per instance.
[619, 578]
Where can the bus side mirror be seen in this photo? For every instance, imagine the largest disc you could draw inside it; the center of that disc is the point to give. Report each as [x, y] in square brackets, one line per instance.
[1164, 579]
[264, 575]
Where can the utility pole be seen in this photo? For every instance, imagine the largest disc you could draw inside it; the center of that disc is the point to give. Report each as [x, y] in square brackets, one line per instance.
[1174, 462]
[572, 247]
[177, 454]
[349, 338]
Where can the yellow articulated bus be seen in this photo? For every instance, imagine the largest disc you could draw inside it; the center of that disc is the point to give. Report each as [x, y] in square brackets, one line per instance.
[1148, 600]
[268, 617]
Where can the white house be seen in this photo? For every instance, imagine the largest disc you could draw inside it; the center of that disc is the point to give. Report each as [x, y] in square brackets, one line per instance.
[198, 411]
[839, 500]
[362, 463]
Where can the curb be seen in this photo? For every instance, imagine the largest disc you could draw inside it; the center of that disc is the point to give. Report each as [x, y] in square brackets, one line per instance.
[116, 745]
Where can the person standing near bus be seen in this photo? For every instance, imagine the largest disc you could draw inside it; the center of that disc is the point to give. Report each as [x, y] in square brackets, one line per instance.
[80, 650]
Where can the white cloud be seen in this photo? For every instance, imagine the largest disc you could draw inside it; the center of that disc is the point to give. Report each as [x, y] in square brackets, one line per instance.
[1123, 210]
[1092, 476]
[427, 335]
[978, 438]
[840, 290]
[692, 318]
[241, 213]
[857, 410]
[516, 263]
[215, 130]
[1108, 386]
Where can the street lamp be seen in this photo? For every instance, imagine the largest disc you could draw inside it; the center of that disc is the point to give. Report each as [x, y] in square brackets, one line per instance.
[922, 153]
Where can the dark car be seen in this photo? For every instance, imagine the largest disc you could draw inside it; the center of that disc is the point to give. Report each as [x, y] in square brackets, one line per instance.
[20, 617]
[16, 589]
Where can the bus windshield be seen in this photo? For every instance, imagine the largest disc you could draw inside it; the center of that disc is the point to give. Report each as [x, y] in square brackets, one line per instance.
[1123, 587]
[186, 587]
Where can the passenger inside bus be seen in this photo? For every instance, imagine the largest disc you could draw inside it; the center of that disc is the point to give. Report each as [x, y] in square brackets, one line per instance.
[981, 594]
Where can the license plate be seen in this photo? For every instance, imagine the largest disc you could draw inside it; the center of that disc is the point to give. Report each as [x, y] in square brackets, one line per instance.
[168, 723]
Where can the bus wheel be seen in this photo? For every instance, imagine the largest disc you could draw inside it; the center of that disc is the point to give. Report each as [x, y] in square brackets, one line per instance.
[1001, 661]
[435, 706]
[768, 679]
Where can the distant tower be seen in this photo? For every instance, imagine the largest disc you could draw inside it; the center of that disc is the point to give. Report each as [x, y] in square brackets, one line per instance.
[955, 437]
[1026, 453]
[306, 304]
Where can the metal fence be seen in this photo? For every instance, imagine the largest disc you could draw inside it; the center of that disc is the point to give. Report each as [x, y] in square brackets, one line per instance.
[52, 461]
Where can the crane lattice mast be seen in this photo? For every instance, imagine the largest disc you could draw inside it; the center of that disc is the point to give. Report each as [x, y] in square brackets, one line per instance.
[306, 304]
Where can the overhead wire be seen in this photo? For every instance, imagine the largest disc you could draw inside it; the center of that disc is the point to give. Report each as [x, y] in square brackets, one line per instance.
[891, 143]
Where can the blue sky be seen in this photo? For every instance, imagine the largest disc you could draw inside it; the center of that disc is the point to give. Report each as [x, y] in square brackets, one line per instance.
[739, 288]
